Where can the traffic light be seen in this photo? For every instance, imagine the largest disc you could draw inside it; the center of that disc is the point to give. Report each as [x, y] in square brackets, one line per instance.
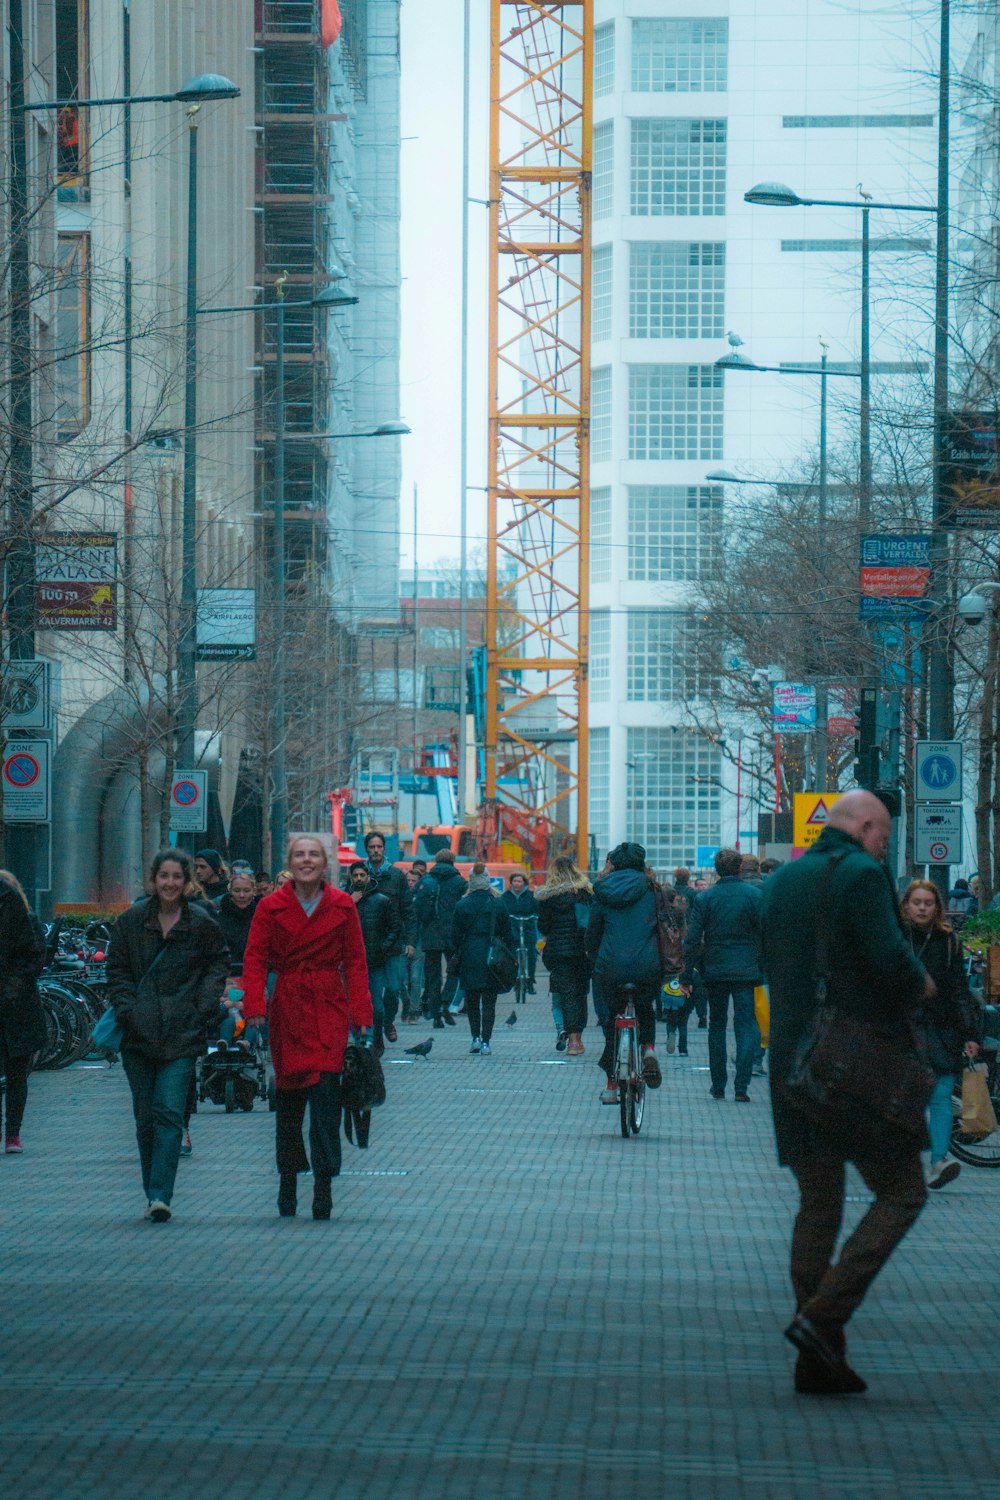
[866, 745]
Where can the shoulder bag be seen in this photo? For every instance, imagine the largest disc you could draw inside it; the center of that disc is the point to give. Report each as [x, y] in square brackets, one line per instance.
[106, 1035]
[501, 963]
[669, 936]
[849, 1075]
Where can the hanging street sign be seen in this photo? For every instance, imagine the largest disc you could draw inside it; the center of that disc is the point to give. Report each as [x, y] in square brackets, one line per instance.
[938, 771]
[27, 778]
[76, 581]
[810, 815]
[793, 709]
[226, 625]
[189, 802]
[895, 574]
[25, 693]
[937, 835]
[970, 472]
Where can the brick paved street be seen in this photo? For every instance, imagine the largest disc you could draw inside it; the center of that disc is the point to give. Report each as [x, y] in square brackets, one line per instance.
[523, 1306]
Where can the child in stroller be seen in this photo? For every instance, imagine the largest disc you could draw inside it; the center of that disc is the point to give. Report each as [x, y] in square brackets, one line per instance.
[233, 1071]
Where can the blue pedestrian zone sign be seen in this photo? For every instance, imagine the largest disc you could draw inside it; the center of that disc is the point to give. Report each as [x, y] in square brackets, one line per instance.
[938, 770]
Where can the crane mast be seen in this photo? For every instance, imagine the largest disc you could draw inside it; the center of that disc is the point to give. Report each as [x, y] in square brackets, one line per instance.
[539, 423]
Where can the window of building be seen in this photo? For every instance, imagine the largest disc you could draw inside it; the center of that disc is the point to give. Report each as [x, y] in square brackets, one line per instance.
[673, 794]
[674, 532]
[603, 292]
[600, 535]
[675, 411]
[678, 167]
[599, 669]
[72, 82]
[856, 122]
[670, 657]
[604, 60]
[72, 335]
[439, 637]
[676, 290]
[680, 55]
[604, 170]
[599, 809]
[853, 247]
[600, 414]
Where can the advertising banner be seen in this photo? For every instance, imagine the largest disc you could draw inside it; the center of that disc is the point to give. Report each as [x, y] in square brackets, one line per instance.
[895, 574]
[227, 625]
[76, 581]
[970, 473]
[793, 709]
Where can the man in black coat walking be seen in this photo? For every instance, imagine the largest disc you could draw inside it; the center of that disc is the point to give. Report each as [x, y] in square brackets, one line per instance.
[22, 1022]
[380, 934]
[440, 891]
[839, 890]
[723, 942]
[391, 881]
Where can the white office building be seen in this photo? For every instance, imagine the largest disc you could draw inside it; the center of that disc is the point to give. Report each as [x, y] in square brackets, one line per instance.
[694, 104]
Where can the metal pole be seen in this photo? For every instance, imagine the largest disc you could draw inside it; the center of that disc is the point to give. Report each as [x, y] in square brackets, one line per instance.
[865, 435]
[279, 791]
[463, 458]
[416, 638]
[187, 683]
[822, 695]
[940, 685]
[20, 602]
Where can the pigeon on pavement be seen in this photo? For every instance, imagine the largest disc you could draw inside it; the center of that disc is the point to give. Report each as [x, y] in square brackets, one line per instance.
[422, 1049]
[511, 1019]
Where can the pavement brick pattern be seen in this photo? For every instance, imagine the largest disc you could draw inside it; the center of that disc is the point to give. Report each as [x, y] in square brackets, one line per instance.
[510, 1302]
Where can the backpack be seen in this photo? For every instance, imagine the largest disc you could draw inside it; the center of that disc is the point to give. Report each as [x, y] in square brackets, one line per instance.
[669, 935]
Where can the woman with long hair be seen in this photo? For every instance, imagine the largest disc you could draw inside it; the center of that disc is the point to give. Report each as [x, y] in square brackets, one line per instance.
[479, 918]
[22, 1023]
[563, 913]
[950, 1025]
[309, 934]
[167, 963]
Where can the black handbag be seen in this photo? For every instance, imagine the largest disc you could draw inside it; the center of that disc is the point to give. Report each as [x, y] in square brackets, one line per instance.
[851, 1076]
[501, 963]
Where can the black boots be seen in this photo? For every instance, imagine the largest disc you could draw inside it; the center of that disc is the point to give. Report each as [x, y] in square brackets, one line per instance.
[287, 1203]
[322, 1198]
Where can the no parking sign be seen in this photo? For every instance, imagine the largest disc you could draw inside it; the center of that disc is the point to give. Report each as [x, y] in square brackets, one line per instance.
[26, 781]
[189, 802]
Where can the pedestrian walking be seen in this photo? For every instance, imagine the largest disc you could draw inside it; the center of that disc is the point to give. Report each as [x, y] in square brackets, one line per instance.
[478, 920]
[263, 883]
[167, 964]
[723, 941]
[961, 903]
[838, 901]
[623, 944]
[234, 914]
[563, 905]
[211, 873]
[380, 934]
[519, 902]
[949, 1025]
[684, 897]
[22, 1021]
[413, 981]
[435, 903]
[309, 934]
[390, 881]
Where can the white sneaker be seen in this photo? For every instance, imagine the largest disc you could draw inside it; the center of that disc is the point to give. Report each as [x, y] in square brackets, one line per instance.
[158, 1211]
[609, 1095]
[476, 1046]
[942, 1172]
[486, 1049]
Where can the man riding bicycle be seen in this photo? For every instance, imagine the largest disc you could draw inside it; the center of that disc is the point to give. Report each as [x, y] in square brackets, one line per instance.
[623, 943]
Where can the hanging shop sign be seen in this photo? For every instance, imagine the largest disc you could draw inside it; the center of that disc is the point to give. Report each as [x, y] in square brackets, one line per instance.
[227, 625]
[895, 575]
[793, 709]
[76, 581]
[970, 473]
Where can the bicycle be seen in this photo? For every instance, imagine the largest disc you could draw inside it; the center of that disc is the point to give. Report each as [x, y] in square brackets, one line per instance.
[523, 973]
[975, 1150]
[628, 1066]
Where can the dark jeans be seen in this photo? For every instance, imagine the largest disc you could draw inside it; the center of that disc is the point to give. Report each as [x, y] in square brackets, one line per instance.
[323, 1099]
[616, 1000]
[677, 1020]
[744, 1025]
[394, 970]
[481, 1008]
[159, 1095]
[569, 978]
[440, 987]
[15, 1070]
[828, 1294]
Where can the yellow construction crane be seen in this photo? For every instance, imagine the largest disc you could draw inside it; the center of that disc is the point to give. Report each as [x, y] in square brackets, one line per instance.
[538, 500]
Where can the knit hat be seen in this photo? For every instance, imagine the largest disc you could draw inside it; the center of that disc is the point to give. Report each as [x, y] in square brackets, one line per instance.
[211, 857]
[479, 878]
[628, 856]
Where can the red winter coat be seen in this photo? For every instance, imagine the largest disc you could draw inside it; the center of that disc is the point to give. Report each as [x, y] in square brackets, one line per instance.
[322, 985]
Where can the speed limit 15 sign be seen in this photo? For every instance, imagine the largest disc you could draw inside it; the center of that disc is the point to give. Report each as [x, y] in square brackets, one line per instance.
[937, 834]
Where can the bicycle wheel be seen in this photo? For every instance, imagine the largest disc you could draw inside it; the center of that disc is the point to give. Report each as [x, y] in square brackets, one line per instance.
[230, 1096]
[637, 1104]
[520, 990]
[624, 1108]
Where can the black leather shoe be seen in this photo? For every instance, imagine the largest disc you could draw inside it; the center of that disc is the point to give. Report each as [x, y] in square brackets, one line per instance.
[438, 1024]
[822, 1348]
[449, 1019]
[287, 1202]
[813, 1378]
[322, 1198]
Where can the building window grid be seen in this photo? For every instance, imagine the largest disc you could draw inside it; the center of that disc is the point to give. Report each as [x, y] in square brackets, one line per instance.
[603, 184]
[600, 414]
[677, 290]
[675, 412]
[603, 292]
[604, 60]
[680, 55]
[673, 801]
[72, 341]
[665, 660]
[678, 167]
[674, 532]
[599, 662]
[600, 787]
[600, 535]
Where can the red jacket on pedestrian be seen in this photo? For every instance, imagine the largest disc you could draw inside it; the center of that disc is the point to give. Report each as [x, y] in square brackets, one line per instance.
[322, 985]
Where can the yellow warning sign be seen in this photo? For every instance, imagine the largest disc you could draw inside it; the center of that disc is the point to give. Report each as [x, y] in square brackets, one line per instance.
[810, 815]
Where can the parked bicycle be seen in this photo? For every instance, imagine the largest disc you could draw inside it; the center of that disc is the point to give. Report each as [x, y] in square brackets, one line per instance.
[977, 1150]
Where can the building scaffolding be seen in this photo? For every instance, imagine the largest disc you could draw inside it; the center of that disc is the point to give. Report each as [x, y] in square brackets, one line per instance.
[539, 421]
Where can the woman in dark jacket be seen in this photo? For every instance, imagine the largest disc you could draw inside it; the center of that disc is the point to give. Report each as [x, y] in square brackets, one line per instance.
[950, 1027]
[479, 917]
[167, 964]
[234, 913]
[562, 901]
[22, 1024]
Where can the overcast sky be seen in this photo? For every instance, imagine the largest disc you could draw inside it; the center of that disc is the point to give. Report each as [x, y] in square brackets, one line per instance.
[432, 267]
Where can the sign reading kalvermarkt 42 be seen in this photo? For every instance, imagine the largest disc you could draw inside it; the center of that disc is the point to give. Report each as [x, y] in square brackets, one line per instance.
[76, 586]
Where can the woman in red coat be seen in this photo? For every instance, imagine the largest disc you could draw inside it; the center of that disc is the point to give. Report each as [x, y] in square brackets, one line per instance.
[308, 933]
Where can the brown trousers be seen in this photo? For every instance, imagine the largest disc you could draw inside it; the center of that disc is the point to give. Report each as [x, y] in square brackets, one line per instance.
[828, 1294]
